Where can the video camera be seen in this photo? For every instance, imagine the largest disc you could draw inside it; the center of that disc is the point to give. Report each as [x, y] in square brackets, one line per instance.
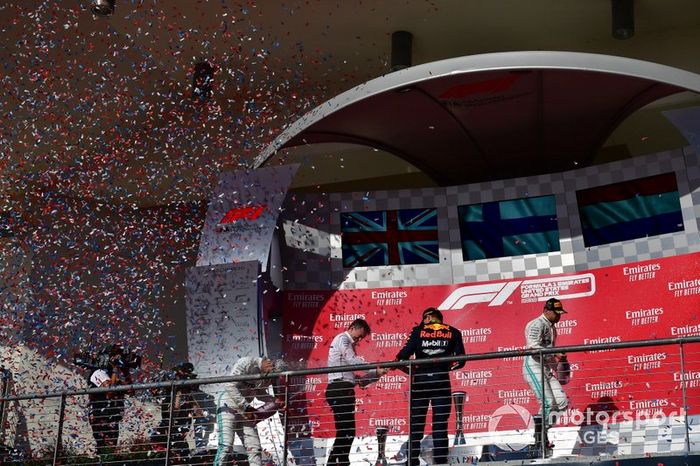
[128, 360]
[113, 355]
[183, 371]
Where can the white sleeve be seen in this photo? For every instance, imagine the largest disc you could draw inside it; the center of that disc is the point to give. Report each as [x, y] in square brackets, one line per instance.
[243, 366]
[99, 377]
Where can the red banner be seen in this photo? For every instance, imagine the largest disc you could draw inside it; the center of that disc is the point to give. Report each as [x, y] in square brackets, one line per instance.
[646, 300]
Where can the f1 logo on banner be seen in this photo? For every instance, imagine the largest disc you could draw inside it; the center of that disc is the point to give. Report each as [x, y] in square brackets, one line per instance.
[540, 289]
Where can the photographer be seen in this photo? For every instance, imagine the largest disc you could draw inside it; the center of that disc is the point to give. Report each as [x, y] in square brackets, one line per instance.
[184, 408]
[109, 368]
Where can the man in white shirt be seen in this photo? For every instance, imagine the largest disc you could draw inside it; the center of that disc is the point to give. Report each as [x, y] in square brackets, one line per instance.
[340, 392]
[235, 413]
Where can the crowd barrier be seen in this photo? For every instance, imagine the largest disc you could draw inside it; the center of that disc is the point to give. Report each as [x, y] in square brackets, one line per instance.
[175, 422]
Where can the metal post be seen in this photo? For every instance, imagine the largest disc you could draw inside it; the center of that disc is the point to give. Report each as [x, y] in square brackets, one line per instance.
[59, 436]
[171, 410]
[5, 377]
[543, 425]
[685, 399]
[285, 420]
[410, 411]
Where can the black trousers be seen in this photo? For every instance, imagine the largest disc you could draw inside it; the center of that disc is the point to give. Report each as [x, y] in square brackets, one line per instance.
[341, 398]
[105, 415]
[178, 431]
[432, 390]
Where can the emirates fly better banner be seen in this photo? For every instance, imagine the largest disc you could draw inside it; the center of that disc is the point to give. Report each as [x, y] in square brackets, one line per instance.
[646, 300]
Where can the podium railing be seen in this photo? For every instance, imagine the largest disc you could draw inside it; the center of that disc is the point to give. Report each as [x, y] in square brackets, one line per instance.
[172, 423]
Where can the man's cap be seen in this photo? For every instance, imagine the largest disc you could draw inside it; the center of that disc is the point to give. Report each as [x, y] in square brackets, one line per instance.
[553, 304]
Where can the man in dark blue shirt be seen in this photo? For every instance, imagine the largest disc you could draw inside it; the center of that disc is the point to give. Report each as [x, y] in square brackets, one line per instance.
[431, 382]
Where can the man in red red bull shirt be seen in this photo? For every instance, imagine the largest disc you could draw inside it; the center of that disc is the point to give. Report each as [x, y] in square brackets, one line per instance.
[431, 382]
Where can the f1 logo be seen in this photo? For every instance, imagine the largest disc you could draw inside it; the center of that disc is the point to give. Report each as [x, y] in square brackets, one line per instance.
[243, 213]
[537, 289]
[493, 293]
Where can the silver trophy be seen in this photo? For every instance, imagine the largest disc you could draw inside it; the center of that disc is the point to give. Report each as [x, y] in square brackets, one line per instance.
[459, 398]
[460, 453]
[381, 446]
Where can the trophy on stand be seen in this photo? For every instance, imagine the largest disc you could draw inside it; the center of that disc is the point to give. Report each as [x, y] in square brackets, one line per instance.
[458, 398]
[460, 453]
[381, 446]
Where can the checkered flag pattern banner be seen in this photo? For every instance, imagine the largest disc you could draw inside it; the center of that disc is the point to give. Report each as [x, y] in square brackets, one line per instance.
[692, 163]
[312, 253]
[682, 242]
[307, 253]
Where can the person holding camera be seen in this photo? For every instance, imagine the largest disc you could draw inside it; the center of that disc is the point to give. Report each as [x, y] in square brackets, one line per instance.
[236, 414]
[183, 409]
[111, 368]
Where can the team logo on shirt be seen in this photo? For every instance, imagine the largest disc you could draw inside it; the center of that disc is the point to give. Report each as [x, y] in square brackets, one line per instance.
[436, 338]
[436, 330]
[437, 326]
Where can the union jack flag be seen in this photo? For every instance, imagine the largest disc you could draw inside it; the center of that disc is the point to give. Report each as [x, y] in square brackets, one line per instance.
[393, 237]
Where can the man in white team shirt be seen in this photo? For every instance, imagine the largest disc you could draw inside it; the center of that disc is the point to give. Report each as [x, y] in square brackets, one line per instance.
[542, 333]
[340, 392]
[235, 413]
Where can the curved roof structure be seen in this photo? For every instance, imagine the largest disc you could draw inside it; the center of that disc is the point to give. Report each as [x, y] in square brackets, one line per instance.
[491, 116]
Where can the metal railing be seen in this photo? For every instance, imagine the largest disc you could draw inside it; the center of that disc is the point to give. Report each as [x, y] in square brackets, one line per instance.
[170, 422]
